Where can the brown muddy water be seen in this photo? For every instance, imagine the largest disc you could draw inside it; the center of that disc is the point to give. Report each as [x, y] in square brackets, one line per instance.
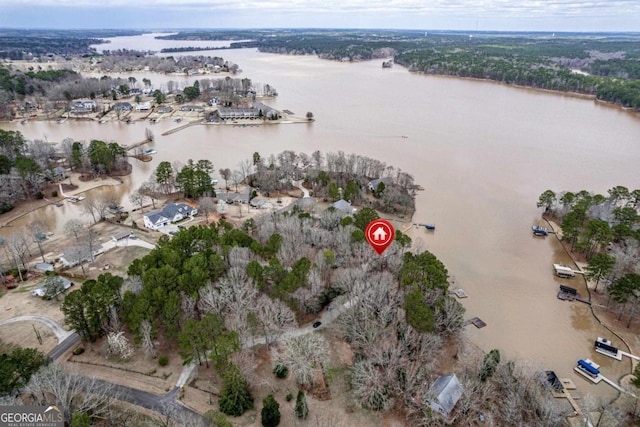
[482, 151]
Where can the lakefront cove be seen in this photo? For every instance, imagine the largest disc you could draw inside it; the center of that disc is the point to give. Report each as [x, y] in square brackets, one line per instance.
[483, 152]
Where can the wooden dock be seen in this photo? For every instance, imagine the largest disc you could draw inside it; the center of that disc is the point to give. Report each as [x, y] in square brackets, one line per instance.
[573, 403]
[136, 145]
[618, 355]
[477, 322]
[460, 293]
[179, 128]
[568, 296]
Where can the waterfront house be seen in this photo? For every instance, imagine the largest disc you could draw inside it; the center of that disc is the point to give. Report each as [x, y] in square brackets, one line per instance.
[84, 107]
[196, 108]
[306, 203]
[444, 393]
[59, 173]
[373, 185]
[257, 203]
[44, 267]
[76, 255]
[121, 236]
[172, 212]
[41, 290]
[257, 111]
[230, 197]
[155, 220]
[122, 106]
[143, 106]
[344, 206]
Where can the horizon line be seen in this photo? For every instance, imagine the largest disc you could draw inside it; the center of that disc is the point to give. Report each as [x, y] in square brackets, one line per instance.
[475, 31]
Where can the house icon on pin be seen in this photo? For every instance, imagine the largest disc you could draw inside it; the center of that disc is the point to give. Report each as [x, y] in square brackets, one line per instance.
[380, 234]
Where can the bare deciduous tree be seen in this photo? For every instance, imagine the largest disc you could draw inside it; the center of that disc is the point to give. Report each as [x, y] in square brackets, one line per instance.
[18, 245]
[302, 355]
[74, 227]
[138, 198]
[207, 205]
[132, 284]
[275, 318]
[71, 392]
[146, 339]
[150, 189]
[38, 229]
[91, 206]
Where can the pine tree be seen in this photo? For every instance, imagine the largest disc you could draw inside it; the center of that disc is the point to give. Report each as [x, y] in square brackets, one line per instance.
[270, 412]
[302, 409]
[235, 396]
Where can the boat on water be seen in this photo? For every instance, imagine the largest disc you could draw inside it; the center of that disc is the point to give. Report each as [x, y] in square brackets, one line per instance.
[429, 227]
[387, 64]
[150, 151]
[539, 231]
[60, 121]
[24, 122]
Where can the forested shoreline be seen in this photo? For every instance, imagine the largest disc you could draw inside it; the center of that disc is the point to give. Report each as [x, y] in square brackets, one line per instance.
[606, 67]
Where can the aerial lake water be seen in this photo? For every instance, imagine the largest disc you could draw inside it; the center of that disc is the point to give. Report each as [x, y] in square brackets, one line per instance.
[483, 152]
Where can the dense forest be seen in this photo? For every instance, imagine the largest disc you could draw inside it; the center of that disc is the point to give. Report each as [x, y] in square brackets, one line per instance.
[605, 66]
[17, 44]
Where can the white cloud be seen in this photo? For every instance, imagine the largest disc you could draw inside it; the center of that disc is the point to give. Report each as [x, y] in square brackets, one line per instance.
[488, 7]
[587, 15]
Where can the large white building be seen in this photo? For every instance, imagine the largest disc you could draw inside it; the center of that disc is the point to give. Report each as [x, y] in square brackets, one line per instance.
[172, 212]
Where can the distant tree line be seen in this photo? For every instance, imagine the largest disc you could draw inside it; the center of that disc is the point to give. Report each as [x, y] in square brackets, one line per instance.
[608, 68]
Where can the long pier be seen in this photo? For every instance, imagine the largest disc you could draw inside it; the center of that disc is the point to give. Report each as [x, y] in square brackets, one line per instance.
[179, 128]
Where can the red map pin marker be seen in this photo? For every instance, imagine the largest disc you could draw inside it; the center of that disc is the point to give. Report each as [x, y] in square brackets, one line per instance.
[379, 234]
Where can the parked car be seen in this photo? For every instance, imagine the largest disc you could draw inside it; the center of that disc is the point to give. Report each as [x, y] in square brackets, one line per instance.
[316, 324]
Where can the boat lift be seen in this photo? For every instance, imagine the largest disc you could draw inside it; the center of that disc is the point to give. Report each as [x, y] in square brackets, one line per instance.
[428, 227]
[591, 371]
[603, 346]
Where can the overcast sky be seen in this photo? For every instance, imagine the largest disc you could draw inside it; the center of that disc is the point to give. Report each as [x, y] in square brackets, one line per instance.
[507, 15]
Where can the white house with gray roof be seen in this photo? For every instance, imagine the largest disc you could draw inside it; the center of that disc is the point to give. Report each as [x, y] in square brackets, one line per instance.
[172, 212]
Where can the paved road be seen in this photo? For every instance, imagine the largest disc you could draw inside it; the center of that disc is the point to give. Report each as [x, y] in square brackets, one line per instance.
[60, 333]
[167, 404]
[65, 345]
